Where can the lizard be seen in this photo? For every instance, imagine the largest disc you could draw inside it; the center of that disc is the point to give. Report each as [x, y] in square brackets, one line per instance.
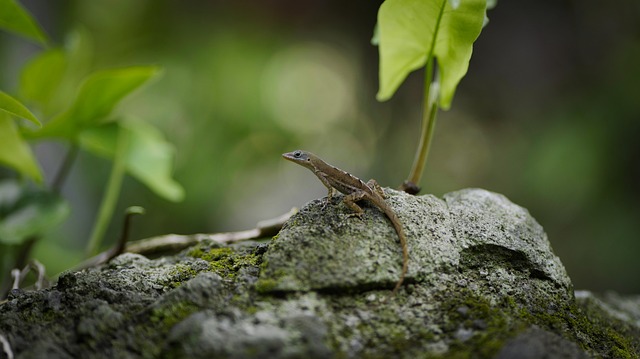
[354, 190]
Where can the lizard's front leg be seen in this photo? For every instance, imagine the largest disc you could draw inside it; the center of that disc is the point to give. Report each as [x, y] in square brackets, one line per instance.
[330, 192]
[330, 189]
[351, 199]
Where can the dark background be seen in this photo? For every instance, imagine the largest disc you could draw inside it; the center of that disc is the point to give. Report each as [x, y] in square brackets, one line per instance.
[547, 115]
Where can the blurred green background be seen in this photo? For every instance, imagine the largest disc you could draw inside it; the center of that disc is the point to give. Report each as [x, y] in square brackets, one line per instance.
[548, 115]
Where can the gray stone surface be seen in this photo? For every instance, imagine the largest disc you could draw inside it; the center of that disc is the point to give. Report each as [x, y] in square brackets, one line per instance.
[535, 343]
[483, 283]
[331, 250]
[328, 250]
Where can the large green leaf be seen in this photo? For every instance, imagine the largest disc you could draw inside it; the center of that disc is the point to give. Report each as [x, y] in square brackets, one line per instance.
[98, 95]
[12, 106]
[15, 18]
[41, 77]
[14, 151]
[149, 157]
[412, 31]
[27, 212]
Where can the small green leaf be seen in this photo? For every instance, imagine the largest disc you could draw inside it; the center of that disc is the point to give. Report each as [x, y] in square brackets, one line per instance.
[15, 18]
[104, 89]
[98, 95]
[149, 157]
[101, 140]
[15, 152]
[412, 31]
[13, 107]
[25, 212]
[41, 78]
[150, 160]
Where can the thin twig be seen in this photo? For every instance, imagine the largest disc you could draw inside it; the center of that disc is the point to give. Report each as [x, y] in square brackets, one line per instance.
[19, 275]
[6, 346]
[63, 172]
[124, 236]
[176, 242]
[24, 252]
[41, 271]
[15, 275]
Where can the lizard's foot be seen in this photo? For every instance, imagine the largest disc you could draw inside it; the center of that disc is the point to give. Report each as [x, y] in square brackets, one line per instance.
[355, 214]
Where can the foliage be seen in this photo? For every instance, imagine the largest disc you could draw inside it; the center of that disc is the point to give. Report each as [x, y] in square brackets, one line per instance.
[410, 35]
[14, 18]
[413, 34]
[15, 151]
[76, 106]
[28, 212]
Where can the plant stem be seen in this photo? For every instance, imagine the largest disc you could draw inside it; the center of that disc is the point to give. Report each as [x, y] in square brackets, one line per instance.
[124, 236]
[110, 197]
[61, 176]
[429, 112]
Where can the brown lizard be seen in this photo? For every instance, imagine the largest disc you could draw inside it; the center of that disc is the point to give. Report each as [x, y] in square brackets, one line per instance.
[355, 190]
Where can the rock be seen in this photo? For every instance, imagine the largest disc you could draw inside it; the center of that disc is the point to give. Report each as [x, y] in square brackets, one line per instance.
[329, 250]
[476, 232]
[535, 343]
[483, 282]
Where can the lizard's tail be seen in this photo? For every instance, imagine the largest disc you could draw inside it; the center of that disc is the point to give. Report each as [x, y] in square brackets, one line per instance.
[403, 242]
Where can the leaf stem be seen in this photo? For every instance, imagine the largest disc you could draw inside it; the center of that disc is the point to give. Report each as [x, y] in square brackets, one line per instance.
[429, 112]
[110, 197]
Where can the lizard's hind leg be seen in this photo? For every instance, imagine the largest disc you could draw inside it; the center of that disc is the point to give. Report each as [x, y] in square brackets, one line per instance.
[351, 199]
[376, 188]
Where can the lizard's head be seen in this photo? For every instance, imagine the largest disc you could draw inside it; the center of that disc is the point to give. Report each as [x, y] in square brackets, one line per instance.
[300, 157]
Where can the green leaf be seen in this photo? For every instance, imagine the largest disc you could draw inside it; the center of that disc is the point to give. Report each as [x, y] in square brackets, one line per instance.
[15, 18]
[150, 160]
[26, 212]
[149, 157]
[104, 89]
[15, 152]
[41, 77]
[412, 31]
[98, 95]
[13, 107]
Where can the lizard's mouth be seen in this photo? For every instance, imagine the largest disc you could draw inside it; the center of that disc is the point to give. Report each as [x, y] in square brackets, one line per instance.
[291, 156]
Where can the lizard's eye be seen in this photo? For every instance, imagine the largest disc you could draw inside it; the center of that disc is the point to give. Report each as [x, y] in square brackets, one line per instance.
[297, 154]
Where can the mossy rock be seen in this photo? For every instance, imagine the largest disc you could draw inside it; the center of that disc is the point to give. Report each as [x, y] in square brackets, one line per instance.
[324, 248]
[483, 283]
